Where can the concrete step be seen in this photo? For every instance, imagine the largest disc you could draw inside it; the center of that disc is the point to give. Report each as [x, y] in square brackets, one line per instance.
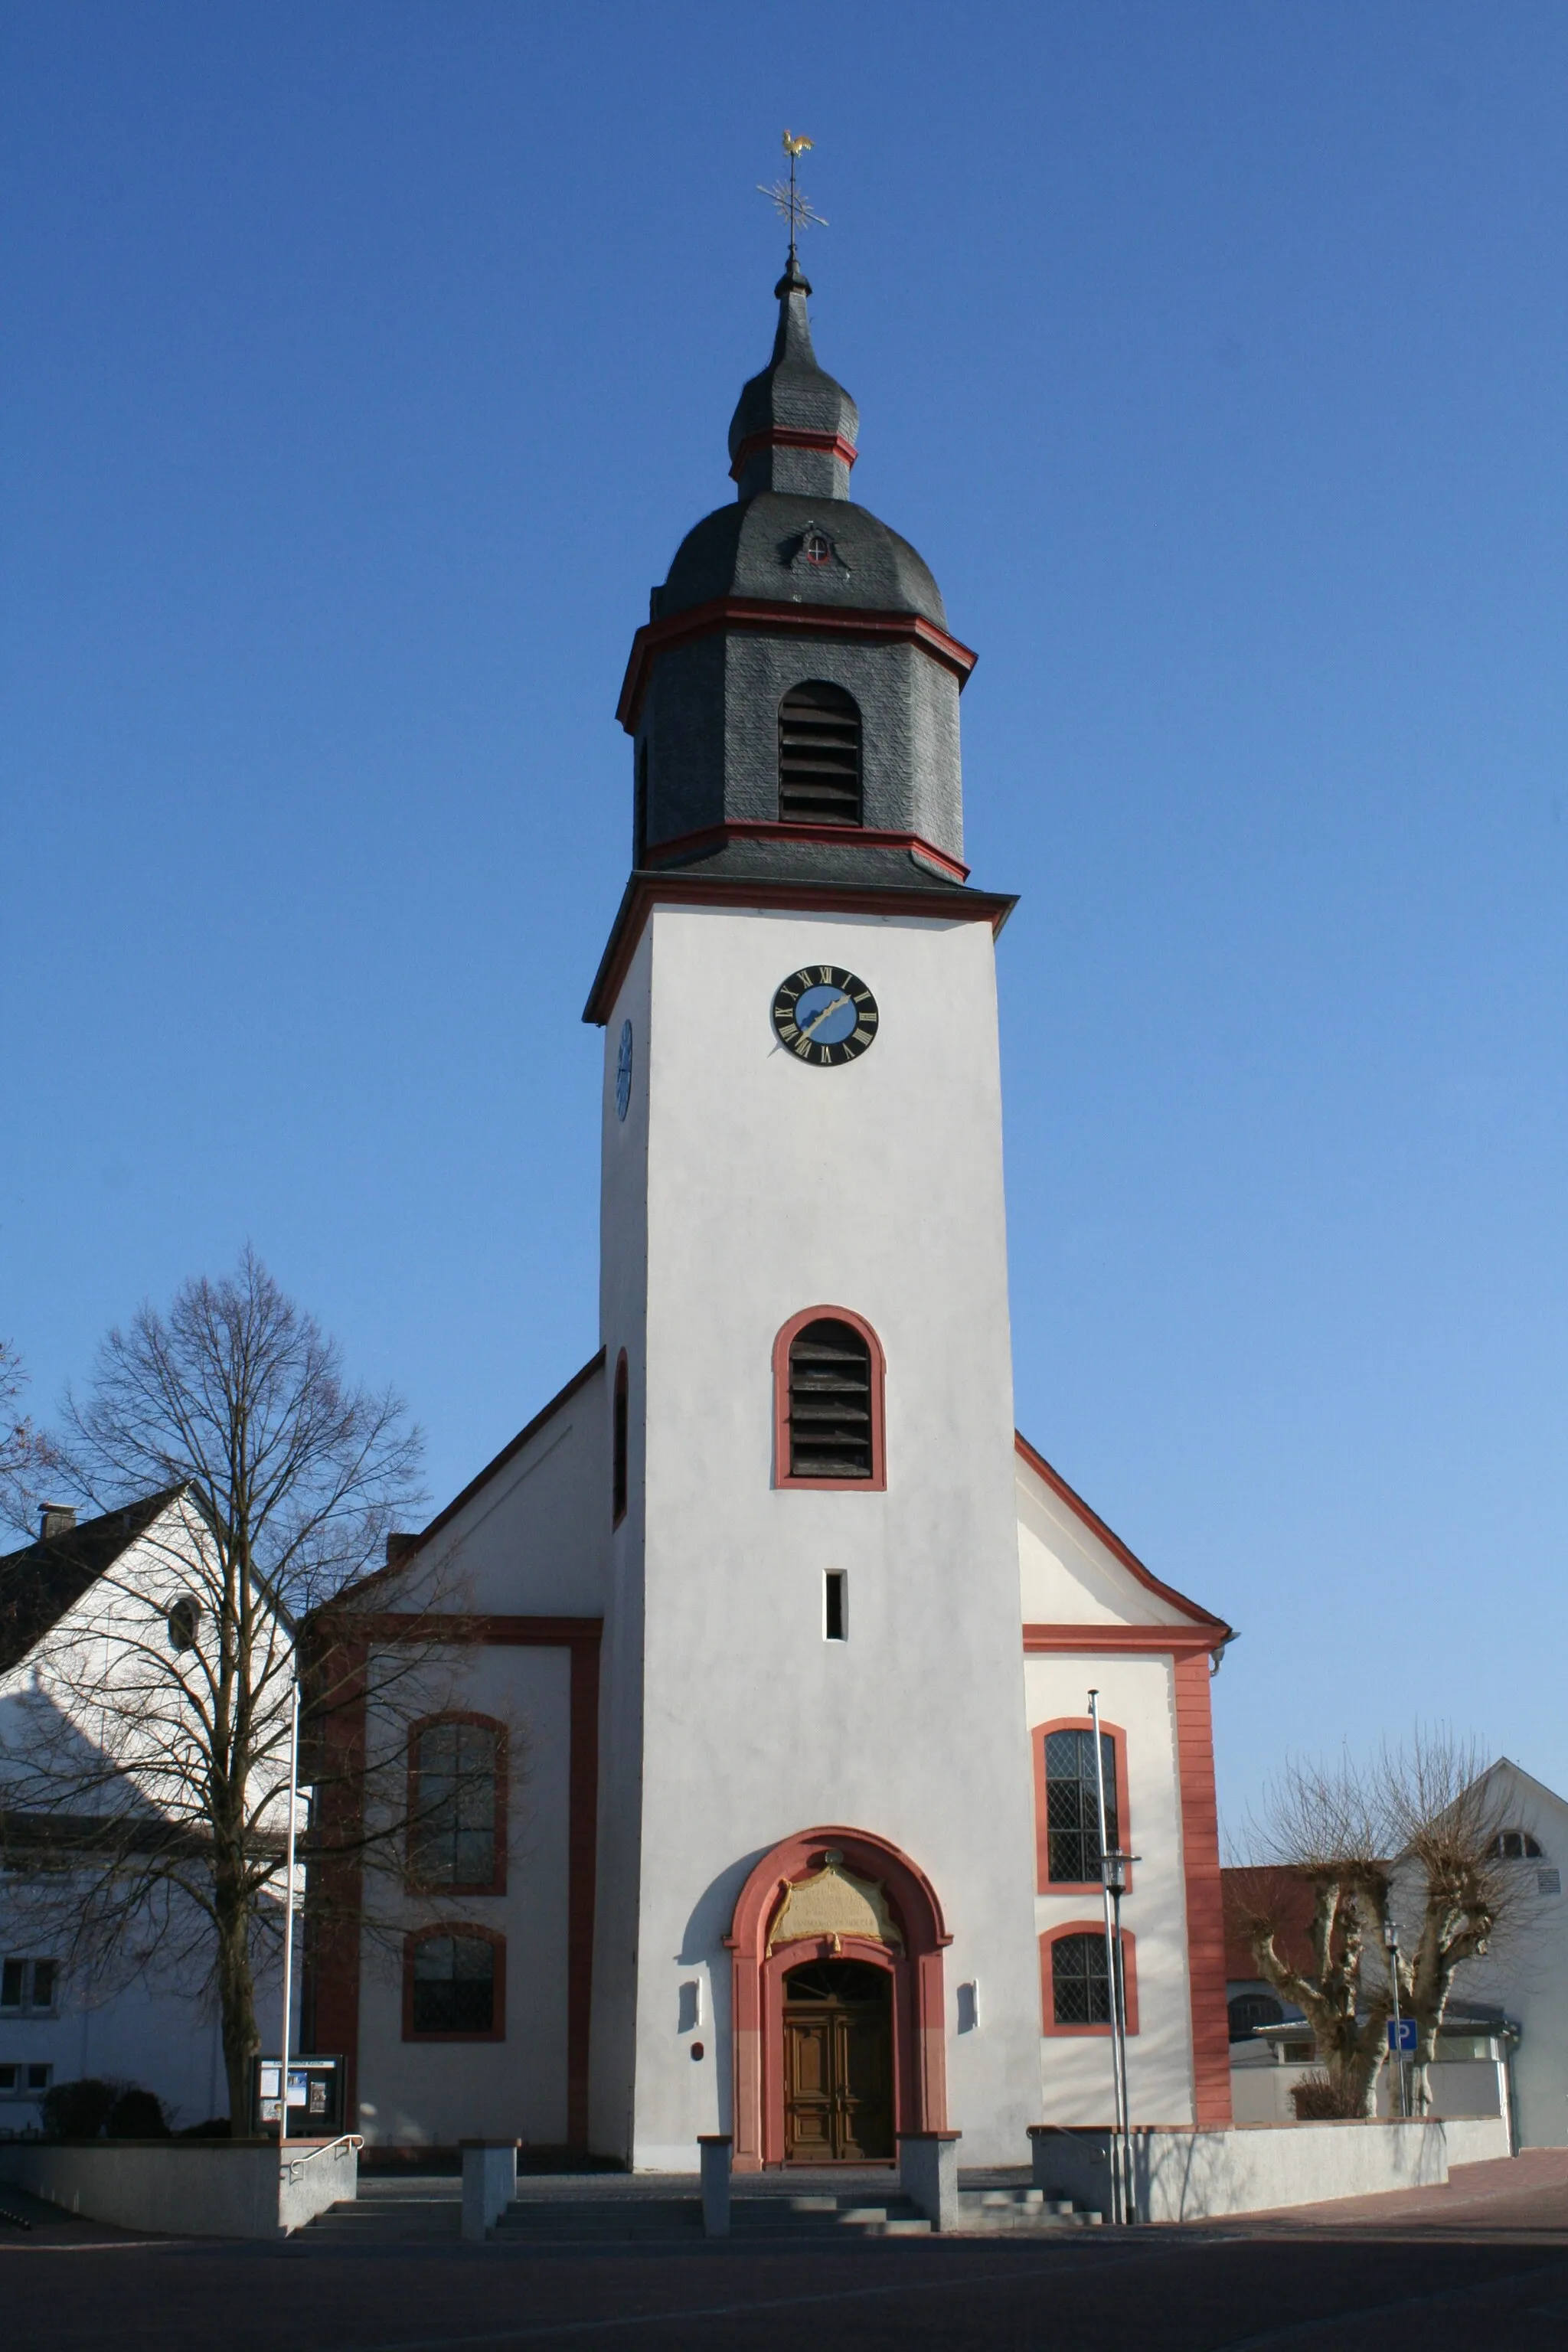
[994, 2212]
[389, 2220]
[825, 2215]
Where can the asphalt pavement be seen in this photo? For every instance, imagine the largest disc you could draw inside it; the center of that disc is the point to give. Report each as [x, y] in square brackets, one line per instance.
[1480, 2262]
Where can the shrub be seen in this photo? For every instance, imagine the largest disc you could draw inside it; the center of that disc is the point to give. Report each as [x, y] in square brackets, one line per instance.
[79, 2110]
[137, 2115]
[1319, 2098]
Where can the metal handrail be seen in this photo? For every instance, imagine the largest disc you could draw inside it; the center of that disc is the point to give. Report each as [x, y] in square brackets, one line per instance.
[329, 2148]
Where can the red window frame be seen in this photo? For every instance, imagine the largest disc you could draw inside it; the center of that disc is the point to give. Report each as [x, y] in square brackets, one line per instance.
[1044, 1882]
[620, 1442]
[1095, 1927]
[878, 1482]
[496, 2030]
[495, 1882]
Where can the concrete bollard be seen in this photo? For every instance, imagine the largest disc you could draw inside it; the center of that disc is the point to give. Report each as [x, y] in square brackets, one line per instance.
[928, 2174]
[489, 2184]
[715, 2148]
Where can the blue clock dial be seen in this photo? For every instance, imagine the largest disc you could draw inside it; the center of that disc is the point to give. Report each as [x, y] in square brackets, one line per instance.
[623, 1072]
[825, 1016]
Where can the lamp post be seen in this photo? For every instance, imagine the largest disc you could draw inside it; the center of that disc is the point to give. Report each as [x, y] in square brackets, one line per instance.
[1390, 1942]
[289, 1914]
[1113, 1886]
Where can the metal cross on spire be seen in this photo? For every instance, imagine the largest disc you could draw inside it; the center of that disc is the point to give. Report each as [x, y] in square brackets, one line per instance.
[785, 197]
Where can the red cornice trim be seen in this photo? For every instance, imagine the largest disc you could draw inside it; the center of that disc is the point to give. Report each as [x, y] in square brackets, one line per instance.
[1129, 1560]
[480, 1627]
[853, 836]
[791, 436]
[686, 889]
[1101, 1640]
[721, 612]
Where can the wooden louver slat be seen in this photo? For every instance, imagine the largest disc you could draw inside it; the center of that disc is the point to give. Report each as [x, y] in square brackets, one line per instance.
[829, 1403]
[819, 756]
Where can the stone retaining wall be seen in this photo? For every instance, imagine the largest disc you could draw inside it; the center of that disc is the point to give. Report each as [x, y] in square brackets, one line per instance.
[188, 2187]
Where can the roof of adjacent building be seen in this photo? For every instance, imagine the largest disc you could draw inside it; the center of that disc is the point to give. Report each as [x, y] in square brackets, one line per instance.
[46, 1578]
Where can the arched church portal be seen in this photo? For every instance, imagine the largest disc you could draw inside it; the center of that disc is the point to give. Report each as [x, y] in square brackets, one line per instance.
[839, 2015]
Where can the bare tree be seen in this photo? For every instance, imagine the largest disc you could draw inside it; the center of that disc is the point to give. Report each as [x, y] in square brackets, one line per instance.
[1411, 1837]
[22, 1450]
[148, 1795]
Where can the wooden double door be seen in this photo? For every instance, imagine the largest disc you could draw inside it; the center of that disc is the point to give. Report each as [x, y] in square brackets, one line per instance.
[838, 2062]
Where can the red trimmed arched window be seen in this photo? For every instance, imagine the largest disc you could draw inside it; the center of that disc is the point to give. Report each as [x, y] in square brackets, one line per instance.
[620, 1442]
[1066, 1814]
[457, 1805]
[828, 1420]
[1075, 1982]
[453, 1983]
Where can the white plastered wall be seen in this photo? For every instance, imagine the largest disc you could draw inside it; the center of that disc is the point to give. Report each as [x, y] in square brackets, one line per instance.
[771, 1188]
[1070, 1576]
[439, 2092]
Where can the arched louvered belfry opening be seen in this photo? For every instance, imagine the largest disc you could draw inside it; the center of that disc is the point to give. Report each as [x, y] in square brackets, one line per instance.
[828, 1401]
[819, 756]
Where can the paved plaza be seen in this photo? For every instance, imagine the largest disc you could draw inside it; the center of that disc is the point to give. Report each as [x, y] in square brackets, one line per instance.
[1483, 2261]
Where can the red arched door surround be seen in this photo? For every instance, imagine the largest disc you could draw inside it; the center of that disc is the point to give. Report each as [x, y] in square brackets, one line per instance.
[919, 2045]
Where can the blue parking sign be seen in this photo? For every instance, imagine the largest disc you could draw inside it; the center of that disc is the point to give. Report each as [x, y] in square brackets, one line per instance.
[1402, 2036]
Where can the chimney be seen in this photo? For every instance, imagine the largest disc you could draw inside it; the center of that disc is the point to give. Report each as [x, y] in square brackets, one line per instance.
[55, 1519]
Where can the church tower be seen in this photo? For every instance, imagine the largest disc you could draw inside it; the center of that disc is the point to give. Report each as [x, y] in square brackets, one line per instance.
[815, 1926]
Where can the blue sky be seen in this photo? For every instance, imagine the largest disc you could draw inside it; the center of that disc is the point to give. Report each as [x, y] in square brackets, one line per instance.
[364, 363]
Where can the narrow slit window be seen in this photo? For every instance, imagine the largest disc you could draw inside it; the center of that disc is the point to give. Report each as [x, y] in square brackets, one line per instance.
[836, 1606]
[639, 806]
[619, 1434]
[830, 1429]
[819, 756]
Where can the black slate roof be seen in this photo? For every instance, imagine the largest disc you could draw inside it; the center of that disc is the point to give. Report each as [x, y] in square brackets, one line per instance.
[39, 1583]
[751, 551]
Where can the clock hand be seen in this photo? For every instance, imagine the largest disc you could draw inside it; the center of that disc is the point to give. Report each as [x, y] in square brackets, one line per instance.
[817, 1019]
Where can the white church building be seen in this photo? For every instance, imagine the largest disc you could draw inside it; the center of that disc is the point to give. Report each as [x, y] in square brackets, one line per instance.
[769, 1808]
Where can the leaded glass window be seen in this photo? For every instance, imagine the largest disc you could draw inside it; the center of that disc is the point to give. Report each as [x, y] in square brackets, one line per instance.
[1080, 1982]
[1072, 1811]
[453, 1836]
[454, 1985]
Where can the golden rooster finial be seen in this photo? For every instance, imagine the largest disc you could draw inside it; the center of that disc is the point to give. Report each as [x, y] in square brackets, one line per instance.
[785, 195]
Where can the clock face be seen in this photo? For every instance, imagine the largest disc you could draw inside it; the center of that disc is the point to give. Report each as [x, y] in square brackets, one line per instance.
[623, 1071]
[823, 1015]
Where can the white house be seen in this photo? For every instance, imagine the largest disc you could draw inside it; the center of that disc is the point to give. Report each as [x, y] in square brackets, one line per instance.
[769, 1810]
[97, 1623]
[1524, 1976]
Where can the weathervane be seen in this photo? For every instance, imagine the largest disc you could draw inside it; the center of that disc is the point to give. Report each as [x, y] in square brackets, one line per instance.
[786, 197]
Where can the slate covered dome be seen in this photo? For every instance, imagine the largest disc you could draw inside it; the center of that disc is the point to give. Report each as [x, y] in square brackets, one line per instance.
[794, 592]
[792, 443]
